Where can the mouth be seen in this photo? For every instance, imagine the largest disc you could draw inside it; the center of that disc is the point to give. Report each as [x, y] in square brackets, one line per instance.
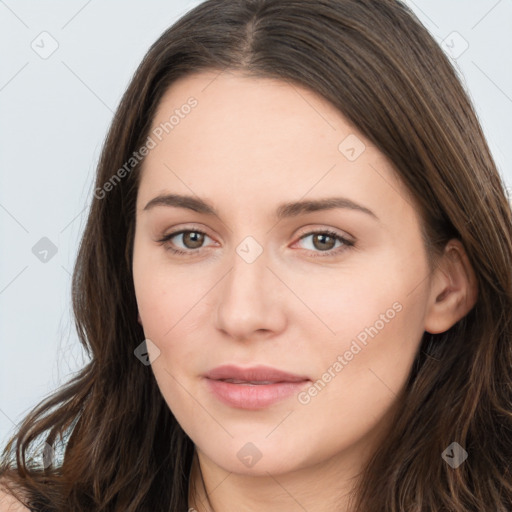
[253, 388]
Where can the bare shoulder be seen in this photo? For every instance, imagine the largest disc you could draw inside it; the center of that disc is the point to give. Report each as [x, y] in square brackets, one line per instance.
[9, 503]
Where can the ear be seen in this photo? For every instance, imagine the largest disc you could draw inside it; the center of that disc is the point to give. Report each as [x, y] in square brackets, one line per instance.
[454, 289]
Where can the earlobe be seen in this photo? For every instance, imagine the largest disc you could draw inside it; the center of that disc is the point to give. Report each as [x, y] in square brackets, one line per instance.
[454, 289]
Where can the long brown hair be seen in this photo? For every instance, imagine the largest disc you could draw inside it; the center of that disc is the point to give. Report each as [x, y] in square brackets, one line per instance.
[122, 448]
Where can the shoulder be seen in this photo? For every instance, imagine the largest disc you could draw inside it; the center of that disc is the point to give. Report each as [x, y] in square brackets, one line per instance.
[8, 503]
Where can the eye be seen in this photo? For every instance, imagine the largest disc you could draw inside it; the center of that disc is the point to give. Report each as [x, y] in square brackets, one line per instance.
[191, 239]
[324, 241]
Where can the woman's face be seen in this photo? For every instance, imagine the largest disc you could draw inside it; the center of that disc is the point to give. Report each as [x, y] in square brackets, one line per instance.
[300, 251]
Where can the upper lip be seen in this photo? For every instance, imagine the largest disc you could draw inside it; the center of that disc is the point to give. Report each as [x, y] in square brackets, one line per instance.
[253, 374]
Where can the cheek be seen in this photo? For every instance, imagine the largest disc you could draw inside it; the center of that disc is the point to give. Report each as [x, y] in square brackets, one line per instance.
[363, 367]
[371, 352]
[354, 300]
[360, 373]
[166, 294]
[174, 311]
[375, 319]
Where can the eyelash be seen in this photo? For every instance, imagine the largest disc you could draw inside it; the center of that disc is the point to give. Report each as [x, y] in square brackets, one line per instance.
[331, 252]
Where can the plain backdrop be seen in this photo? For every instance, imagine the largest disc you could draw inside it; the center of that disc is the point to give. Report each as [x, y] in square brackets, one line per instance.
[64, 66]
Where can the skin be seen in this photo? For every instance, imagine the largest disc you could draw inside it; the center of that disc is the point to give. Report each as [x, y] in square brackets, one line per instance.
[248, 146]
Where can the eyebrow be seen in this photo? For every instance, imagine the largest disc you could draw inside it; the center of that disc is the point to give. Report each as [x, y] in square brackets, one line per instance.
[285, 210]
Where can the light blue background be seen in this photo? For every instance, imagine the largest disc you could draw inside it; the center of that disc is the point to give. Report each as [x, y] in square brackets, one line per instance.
[54, 114]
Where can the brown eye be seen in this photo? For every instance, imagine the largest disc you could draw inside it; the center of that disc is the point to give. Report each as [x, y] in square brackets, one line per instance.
[323, 242]
[193, 239]
[185, 241]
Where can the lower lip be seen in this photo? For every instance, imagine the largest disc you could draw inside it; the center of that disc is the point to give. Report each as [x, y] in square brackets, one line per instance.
[257, 396]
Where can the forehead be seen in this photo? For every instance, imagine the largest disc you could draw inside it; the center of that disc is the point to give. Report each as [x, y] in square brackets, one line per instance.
[251, 116]
[244, 136]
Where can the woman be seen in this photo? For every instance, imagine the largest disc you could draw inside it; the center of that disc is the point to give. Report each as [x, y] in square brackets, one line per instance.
[294, 283]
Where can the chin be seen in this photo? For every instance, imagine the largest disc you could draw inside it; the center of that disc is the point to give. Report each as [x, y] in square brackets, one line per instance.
[256, 456]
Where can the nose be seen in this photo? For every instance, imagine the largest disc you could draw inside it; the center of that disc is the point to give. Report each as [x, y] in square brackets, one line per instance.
[251, 301]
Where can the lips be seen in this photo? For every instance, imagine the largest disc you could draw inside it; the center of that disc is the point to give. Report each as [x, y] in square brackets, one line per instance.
[253, 388]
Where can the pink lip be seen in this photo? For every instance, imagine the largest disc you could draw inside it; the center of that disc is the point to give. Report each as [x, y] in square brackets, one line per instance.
[245, 393]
